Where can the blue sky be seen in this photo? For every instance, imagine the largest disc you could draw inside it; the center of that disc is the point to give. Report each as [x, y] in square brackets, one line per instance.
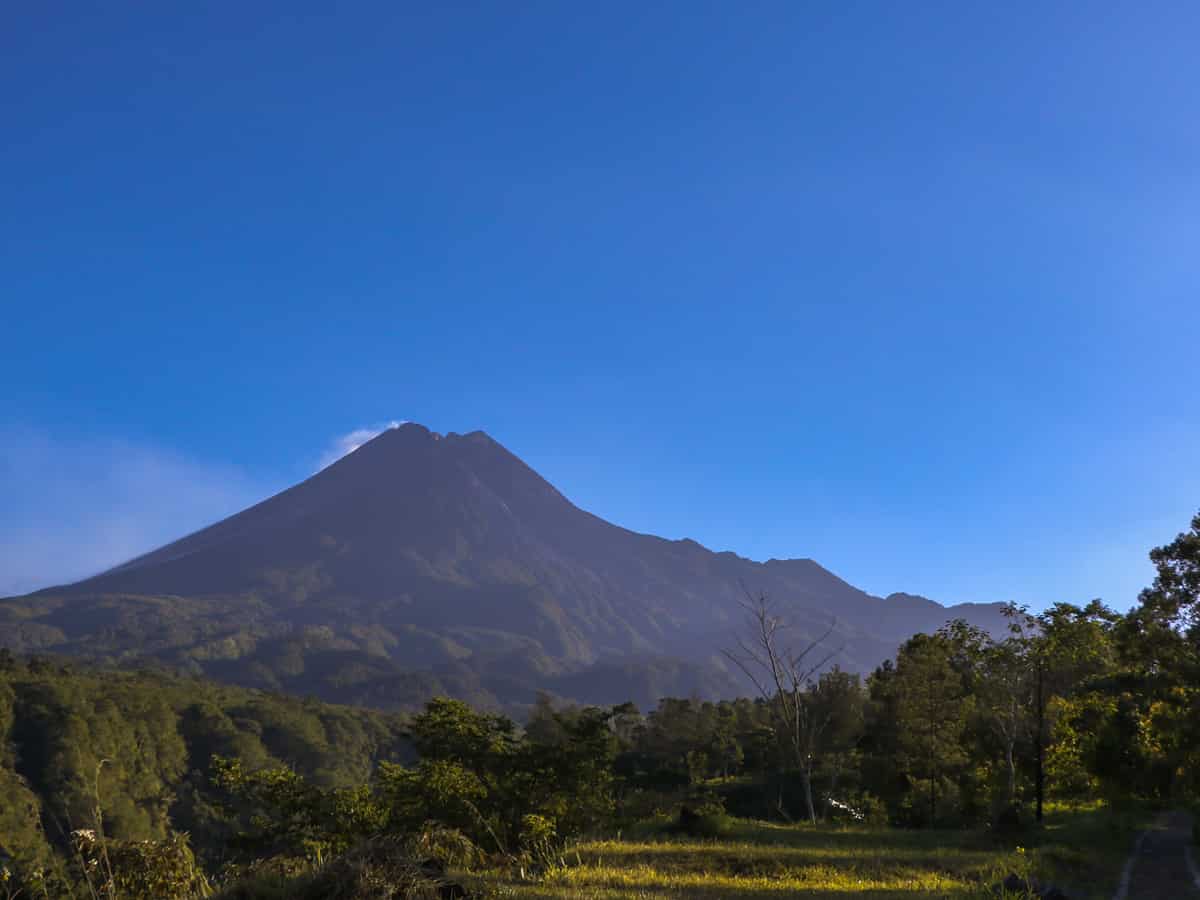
[907, 288]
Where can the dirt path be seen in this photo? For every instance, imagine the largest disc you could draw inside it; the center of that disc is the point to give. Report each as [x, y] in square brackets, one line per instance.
[1163, 865]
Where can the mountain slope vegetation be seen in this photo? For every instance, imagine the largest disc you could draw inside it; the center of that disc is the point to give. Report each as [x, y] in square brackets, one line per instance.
[426, 564]
[130, 751]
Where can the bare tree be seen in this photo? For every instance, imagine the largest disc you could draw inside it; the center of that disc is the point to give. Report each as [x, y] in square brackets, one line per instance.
[782, 671]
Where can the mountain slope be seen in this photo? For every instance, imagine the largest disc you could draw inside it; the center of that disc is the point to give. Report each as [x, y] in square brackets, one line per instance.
[422, 562]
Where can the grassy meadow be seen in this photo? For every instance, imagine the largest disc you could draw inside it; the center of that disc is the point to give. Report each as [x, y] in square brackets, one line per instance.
[1082, 850]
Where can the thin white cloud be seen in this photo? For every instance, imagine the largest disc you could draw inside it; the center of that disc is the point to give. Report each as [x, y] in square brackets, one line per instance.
[75, 508]
[350, 442]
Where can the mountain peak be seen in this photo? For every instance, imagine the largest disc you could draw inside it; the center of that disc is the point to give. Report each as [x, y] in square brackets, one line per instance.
[439, 553]
[414, 433]
[405, 430]
[390, 439]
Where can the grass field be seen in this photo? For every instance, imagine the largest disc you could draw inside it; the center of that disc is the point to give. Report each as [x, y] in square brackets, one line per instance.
[1081, 850]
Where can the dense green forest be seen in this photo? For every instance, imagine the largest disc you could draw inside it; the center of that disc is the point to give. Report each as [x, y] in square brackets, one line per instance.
[102, 772]
[139, 745]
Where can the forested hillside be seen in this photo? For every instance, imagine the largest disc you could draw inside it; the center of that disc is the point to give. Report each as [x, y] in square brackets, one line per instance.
[1077, 706]
[138, 746]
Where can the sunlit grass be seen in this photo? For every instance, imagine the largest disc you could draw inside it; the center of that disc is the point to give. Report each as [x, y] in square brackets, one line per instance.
[1084, 849]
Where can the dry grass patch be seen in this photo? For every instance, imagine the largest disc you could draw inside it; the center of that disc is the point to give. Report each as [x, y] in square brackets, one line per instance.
[1081, 850]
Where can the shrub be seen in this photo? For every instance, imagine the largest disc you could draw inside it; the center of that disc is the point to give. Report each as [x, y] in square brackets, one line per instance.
[539, 839]
[914, 810]
[703, 816]
[1008, 819]
[874, 810]
[378, 869]
[447, 844]
[140, 870]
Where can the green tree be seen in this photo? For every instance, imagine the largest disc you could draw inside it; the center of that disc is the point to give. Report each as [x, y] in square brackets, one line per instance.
[1072, 647]
[837, 706]
[932, 709]
[450, 730]
[1006, 687]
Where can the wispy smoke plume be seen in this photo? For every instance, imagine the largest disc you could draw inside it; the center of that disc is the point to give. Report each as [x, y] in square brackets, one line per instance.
[350, 442]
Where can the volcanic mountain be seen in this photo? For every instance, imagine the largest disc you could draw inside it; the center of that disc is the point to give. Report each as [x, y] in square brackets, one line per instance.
[425, 563]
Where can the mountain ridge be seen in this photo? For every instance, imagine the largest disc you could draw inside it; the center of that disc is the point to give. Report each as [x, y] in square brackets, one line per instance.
[446, 558]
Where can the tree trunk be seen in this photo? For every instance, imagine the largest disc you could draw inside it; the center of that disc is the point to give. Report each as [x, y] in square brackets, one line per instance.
[806, 783]
[1012, 771]
[782, 810]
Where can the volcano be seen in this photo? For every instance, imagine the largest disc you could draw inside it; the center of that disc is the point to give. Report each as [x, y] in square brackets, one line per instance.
[424, 563]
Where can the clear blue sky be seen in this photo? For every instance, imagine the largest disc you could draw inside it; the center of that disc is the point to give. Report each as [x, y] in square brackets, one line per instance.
[907, 288]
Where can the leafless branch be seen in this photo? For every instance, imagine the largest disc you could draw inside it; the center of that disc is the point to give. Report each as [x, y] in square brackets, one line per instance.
[782, 674]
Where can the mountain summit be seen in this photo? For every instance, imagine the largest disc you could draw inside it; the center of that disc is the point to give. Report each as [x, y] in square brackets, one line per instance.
[423, 563]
